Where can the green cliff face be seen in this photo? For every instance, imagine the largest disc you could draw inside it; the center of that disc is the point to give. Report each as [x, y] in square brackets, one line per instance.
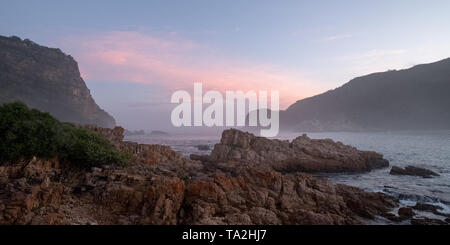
[48, 80]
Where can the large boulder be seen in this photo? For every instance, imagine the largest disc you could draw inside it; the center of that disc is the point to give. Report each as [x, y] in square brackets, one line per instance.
[301, 154]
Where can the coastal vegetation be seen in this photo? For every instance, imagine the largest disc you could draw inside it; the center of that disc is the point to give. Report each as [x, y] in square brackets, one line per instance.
[26, 133]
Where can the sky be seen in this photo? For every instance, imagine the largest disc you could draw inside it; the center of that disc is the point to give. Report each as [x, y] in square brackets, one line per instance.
[134, 54]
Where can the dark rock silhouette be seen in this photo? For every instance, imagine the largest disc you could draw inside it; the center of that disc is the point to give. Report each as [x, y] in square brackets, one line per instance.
[428, 221]
[203, 147]
[414, 171]
[48, 80]
[406, 212]
[426, 207]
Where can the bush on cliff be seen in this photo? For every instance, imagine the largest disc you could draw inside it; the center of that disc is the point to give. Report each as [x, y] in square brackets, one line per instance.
[28, 132]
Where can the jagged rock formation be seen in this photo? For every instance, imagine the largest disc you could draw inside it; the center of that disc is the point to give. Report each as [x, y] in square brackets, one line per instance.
[162, 187]
[48, 80]
[301, 154]
[414, 98]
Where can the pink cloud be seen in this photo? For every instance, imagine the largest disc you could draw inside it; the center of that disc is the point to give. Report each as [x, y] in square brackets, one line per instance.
[177, 64]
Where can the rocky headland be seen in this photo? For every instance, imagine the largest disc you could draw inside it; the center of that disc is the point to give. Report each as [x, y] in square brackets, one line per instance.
[408, 99]
[49, 80]
[300, 155]
[160, 186]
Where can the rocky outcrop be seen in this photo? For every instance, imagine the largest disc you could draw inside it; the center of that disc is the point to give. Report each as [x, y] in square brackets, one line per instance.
[48, 80]
[301, 154]
[413, 171]
[262, 196]
[152, 194]
[162, 187]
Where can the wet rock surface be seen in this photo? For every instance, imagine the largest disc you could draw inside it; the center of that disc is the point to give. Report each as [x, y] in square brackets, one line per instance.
[426, 207]
[406, 212]
[413, 171]
[428, 221]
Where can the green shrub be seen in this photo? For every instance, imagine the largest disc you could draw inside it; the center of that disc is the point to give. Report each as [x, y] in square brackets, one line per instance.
[25, 132]
[85, 148]
[28, 132]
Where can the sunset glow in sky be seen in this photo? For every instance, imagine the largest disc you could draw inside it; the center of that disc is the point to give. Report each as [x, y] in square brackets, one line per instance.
[175, 64]
[134, 54]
